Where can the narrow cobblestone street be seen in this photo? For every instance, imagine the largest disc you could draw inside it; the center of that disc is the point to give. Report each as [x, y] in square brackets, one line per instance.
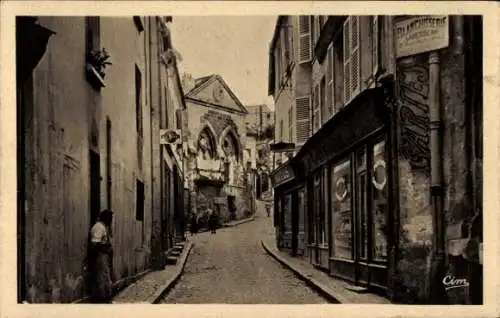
[231, 267]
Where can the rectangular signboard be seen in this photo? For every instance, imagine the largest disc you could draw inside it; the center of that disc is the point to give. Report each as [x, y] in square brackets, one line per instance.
[421, 34]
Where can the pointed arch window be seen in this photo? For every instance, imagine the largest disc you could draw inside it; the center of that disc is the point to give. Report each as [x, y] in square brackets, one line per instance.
[230, 146]
[206, 145]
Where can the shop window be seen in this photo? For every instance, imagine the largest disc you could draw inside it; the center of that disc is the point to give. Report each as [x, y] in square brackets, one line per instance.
[380, 202]
[287, 210]
[342, 224]
[319, 211]
[361, 203]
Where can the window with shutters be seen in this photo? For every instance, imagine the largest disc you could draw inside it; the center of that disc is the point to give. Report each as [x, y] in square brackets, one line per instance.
[375, 27]
[283, 54]
[352, 72]
[316, 28]
[305, 47]
[290, 124]
[302, 122]
[277, 67]
[330, 89]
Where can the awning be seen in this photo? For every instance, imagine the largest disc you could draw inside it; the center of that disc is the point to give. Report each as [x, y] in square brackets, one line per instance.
[282, 147]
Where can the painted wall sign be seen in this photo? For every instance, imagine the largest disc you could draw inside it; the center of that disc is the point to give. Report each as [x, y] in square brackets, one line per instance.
[421, 34]
[283, 175]
[413, 82]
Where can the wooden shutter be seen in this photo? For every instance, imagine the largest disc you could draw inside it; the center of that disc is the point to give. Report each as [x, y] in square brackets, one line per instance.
[304, 39]
[347, 61]
[355, 57]
[302, 122]
[375, 43]
[290, 124]
[330, 89]
[277, 68]
[316, 109]
[291, 33]
[323, 108]
[283, 47]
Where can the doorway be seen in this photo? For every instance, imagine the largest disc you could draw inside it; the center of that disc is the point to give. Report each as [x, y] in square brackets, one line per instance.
[231, 204]
[95, 186]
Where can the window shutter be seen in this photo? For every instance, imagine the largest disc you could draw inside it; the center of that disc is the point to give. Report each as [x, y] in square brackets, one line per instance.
[330, 90]
[375, 44]
[290, 124]
[302, 122]
[355, 56]
[283, 53]
[316, 110]
[304, 39]
[347, 61]
[277, 68]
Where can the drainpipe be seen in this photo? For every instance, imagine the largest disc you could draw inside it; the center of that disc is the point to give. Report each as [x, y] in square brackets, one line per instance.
[436, 293]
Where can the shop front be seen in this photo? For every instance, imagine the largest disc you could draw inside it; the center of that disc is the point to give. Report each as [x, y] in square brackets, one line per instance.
[289, 209]
[348, 172]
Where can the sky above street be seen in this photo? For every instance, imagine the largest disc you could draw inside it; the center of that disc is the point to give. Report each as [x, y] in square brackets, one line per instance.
[235, 47]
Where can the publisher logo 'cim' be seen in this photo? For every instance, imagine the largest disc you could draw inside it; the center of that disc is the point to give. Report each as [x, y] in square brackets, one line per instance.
[450, 282]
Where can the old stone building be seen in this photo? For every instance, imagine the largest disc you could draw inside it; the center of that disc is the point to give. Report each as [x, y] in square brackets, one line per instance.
[218, 165]
[260, 127]
[92, 98]
[387, 191]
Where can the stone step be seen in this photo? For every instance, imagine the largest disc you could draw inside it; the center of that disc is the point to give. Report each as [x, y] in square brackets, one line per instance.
[178, 248]
[175, 253]
[171, 260]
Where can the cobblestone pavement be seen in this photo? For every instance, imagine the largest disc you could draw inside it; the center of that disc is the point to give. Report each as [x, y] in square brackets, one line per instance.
[232, 267]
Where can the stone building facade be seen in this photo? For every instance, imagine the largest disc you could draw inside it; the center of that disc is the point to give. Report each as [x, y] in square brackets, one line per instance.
[260, 132]
[218, 165]
[388, 187]
[89, 139]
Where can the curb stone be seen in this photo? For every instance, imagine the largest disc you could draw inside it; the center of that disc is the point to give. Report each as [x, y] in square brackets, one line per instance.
[158, 295]
[319, 287]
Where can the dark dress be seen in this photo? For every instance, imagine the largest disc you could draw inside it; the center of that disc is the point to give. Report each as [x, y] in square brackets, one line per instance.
[194, 225]
[212, 222]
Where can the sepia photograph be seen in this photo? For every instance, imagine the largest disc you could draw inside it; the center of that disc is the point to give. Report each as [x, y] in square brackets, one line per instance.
[249, 159]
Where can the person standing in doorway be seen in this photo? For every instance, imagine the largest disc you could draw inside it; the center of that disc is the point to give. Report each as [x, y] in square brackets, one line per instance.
[101, 249]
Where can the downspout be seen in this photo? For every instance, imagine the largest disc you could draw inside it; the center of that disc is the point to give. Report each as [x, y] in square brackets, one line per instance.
[436, 293]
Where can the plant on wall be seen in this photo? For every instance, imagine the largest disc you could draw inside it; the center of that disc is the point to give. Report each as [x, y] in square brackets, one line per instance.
[99, 59]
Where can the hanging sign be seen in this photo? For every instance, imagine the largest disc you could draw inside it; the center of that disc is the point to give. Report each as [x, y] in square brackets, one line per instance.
[170, 136]
[282, 175]
[421, 34]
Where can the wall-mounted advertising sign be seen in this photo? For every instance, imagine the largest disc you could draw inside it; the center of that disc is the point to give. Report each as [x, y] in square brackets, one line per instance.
[282, 175]
[421, 34]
